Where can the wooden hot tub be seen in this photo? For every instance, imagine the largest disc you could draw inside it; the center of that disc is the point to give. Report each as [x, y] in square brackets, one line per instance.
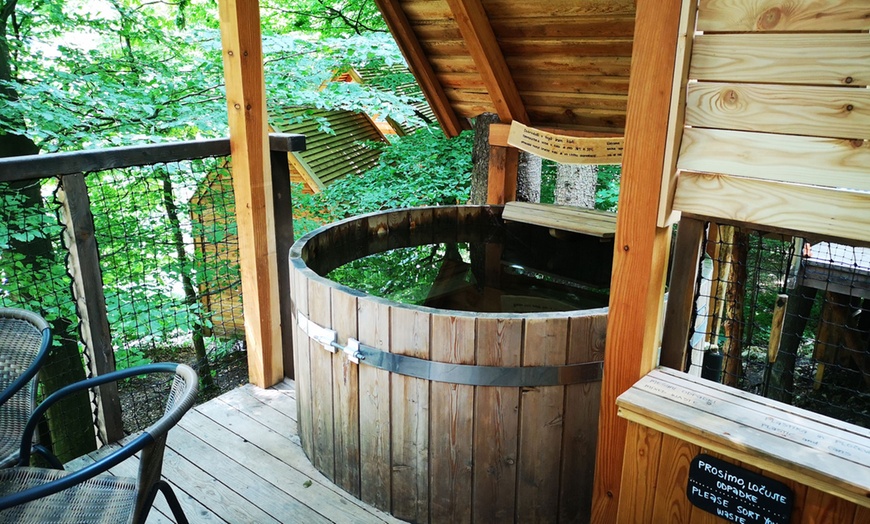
[450, 416]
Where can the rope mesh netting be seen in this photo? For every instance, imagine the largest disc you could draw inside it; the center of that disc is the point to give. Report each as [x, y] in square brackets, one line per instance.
[786, 318]
[168, 255]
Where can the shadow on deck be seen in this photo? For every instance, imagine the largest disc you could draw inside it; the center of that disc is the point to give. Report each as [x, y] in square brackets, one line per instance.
[237, 459]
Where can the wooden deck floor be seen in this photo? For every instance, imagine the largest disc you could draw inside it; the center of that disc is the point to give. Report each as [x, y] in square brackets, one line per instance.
[237, 459]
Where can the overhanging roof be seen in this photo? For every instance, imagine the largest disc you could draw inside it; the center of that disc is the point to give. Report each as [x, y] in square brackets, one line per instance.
[546, 63]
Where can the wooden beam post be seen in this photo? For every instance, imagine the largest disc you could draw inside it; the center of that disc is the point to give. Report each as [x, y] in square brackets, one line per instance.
[502, 181]
[640, 247]
[404, 34]
[483, 46]
[252, 185]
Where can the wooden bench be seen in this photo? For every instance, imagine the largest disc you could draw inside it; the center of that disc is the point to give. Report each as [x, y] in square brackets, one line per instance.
[821, 459]
[566, 218]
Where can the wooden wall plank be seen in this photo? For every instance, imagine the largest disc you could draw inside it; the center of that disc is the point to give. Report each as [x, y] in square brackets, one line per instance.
[819, 59]
[409, 335]
[775, 15]
[836, 213]
[580, 436]
[252, 186]
[451, 423]
[827, 162]
[374, 386]
[322, 410]
[533, 8]
[496, 429]
[642, 451]
[794, 110]
[824, 508]
[345, 380]
[400, 27]
[641, 247]
[542, 409]
[671, 504]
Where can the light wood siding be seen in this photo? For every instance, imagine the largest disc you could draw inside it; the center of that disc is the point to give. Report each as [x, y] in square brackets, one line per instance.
[329, 155]
[777, 116]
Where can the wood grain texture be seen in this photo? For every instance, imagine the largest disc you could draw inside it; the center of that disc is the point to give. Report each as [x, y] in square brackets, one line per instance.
[781, 15]
[641, 248]
[671, 504]
[400, 27]
[302, 361]
[542, 411]
[828, 162]
[487, 55]
[374, 388]
[681, 295]
[837, 112]
[568, 218]
[496, 425]
[451, 423]
[252, 188]
[502, 178]
[639, 474]
[827, 212]
[345, 393]
[409, 335]
[823, 508]
[817, 59]
[322, 408]
[586, 340]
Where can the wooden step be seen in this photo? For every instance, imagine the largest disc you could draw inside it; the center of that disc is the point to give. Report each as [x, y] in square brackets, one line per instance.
[566, 218]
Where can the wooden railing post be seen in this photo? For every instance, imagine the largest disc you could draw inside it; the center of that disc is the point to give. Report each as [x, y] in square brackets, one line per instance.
[280, 145]
[87, 277]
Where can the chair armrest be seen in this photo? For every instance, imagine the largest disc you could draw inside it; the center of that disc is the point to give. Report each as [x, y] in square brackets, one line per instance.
[32, 370]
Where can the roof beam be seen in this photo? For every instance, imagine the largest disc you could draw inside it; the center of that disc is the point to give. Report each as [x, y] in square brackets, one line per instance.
[480, 39]
[420, 66]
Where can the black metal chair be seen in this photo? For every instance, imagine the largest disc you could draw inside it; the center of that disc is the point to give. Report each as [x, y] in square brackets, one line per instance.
[90, 494]
[25, 339]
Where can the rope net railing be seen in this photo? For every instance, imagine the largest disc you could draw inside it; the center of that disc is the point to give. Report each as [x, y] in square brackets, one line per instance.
[786, 318]
[168, 256]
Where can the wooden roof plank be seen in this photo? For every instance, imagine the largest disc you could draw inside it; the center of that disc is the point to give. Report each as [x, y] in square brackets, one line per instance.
[401, 29]
[489, 60]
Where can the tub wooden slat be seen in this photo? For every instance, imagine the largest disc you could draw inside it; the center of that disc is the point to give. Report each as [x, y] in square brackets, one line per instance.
[451, 423]
[409, 335]
[374, 409]
[496, 423]
[321, 383]
[585, 344]
[302, 362]
[541, 422]
[345, 380]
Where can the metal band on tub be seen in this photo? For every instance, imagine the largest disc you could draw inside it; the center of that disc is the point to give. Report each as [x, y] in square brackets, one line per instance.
[465, 374]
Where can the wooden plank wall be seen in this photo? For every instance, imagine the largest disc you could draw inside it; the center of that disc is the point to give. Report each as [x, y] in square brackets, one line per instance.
[777, 116]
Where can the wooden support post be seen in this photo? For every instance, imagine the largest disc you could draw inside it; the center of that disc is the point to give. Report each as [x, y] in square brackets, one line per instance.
[87, 277]
[280, 146]
[252, 185]
[641, 247]
[502, 182]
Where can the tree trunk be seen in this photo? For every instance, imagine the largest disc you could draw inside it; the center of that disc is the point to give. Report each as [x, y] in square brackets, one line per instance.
[576, 184]
[480, 157]
[529, 178]
[734, 318]
[186, 282]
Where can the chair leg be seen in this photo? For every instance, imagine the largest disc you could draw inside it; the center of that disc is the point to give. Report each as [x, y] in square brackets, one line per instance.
[172, 500]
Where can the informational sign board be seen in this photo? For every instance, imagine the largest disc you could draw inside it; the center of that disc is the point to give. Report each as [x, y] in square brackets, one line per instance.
[737, 494]
[566, 149]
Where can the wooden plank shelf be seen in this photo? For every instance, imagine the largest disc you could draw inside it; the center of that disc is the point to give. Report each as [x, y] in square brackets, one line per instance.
[818, 452]
[566, 218]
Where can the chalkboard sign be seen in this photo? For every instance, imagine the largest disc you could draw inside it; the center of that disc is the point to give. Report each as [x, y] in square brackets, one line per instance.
[737, 494]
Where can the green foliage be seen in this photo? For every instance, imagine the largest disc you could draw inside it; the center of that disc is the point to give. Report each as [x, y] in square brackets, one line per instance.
[606, 194]
[422, 169]
[326, 17]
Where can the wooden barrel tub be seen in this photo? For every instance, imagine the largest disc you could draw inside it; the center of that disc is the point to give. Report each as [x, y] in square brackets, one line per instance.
[437, 415]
